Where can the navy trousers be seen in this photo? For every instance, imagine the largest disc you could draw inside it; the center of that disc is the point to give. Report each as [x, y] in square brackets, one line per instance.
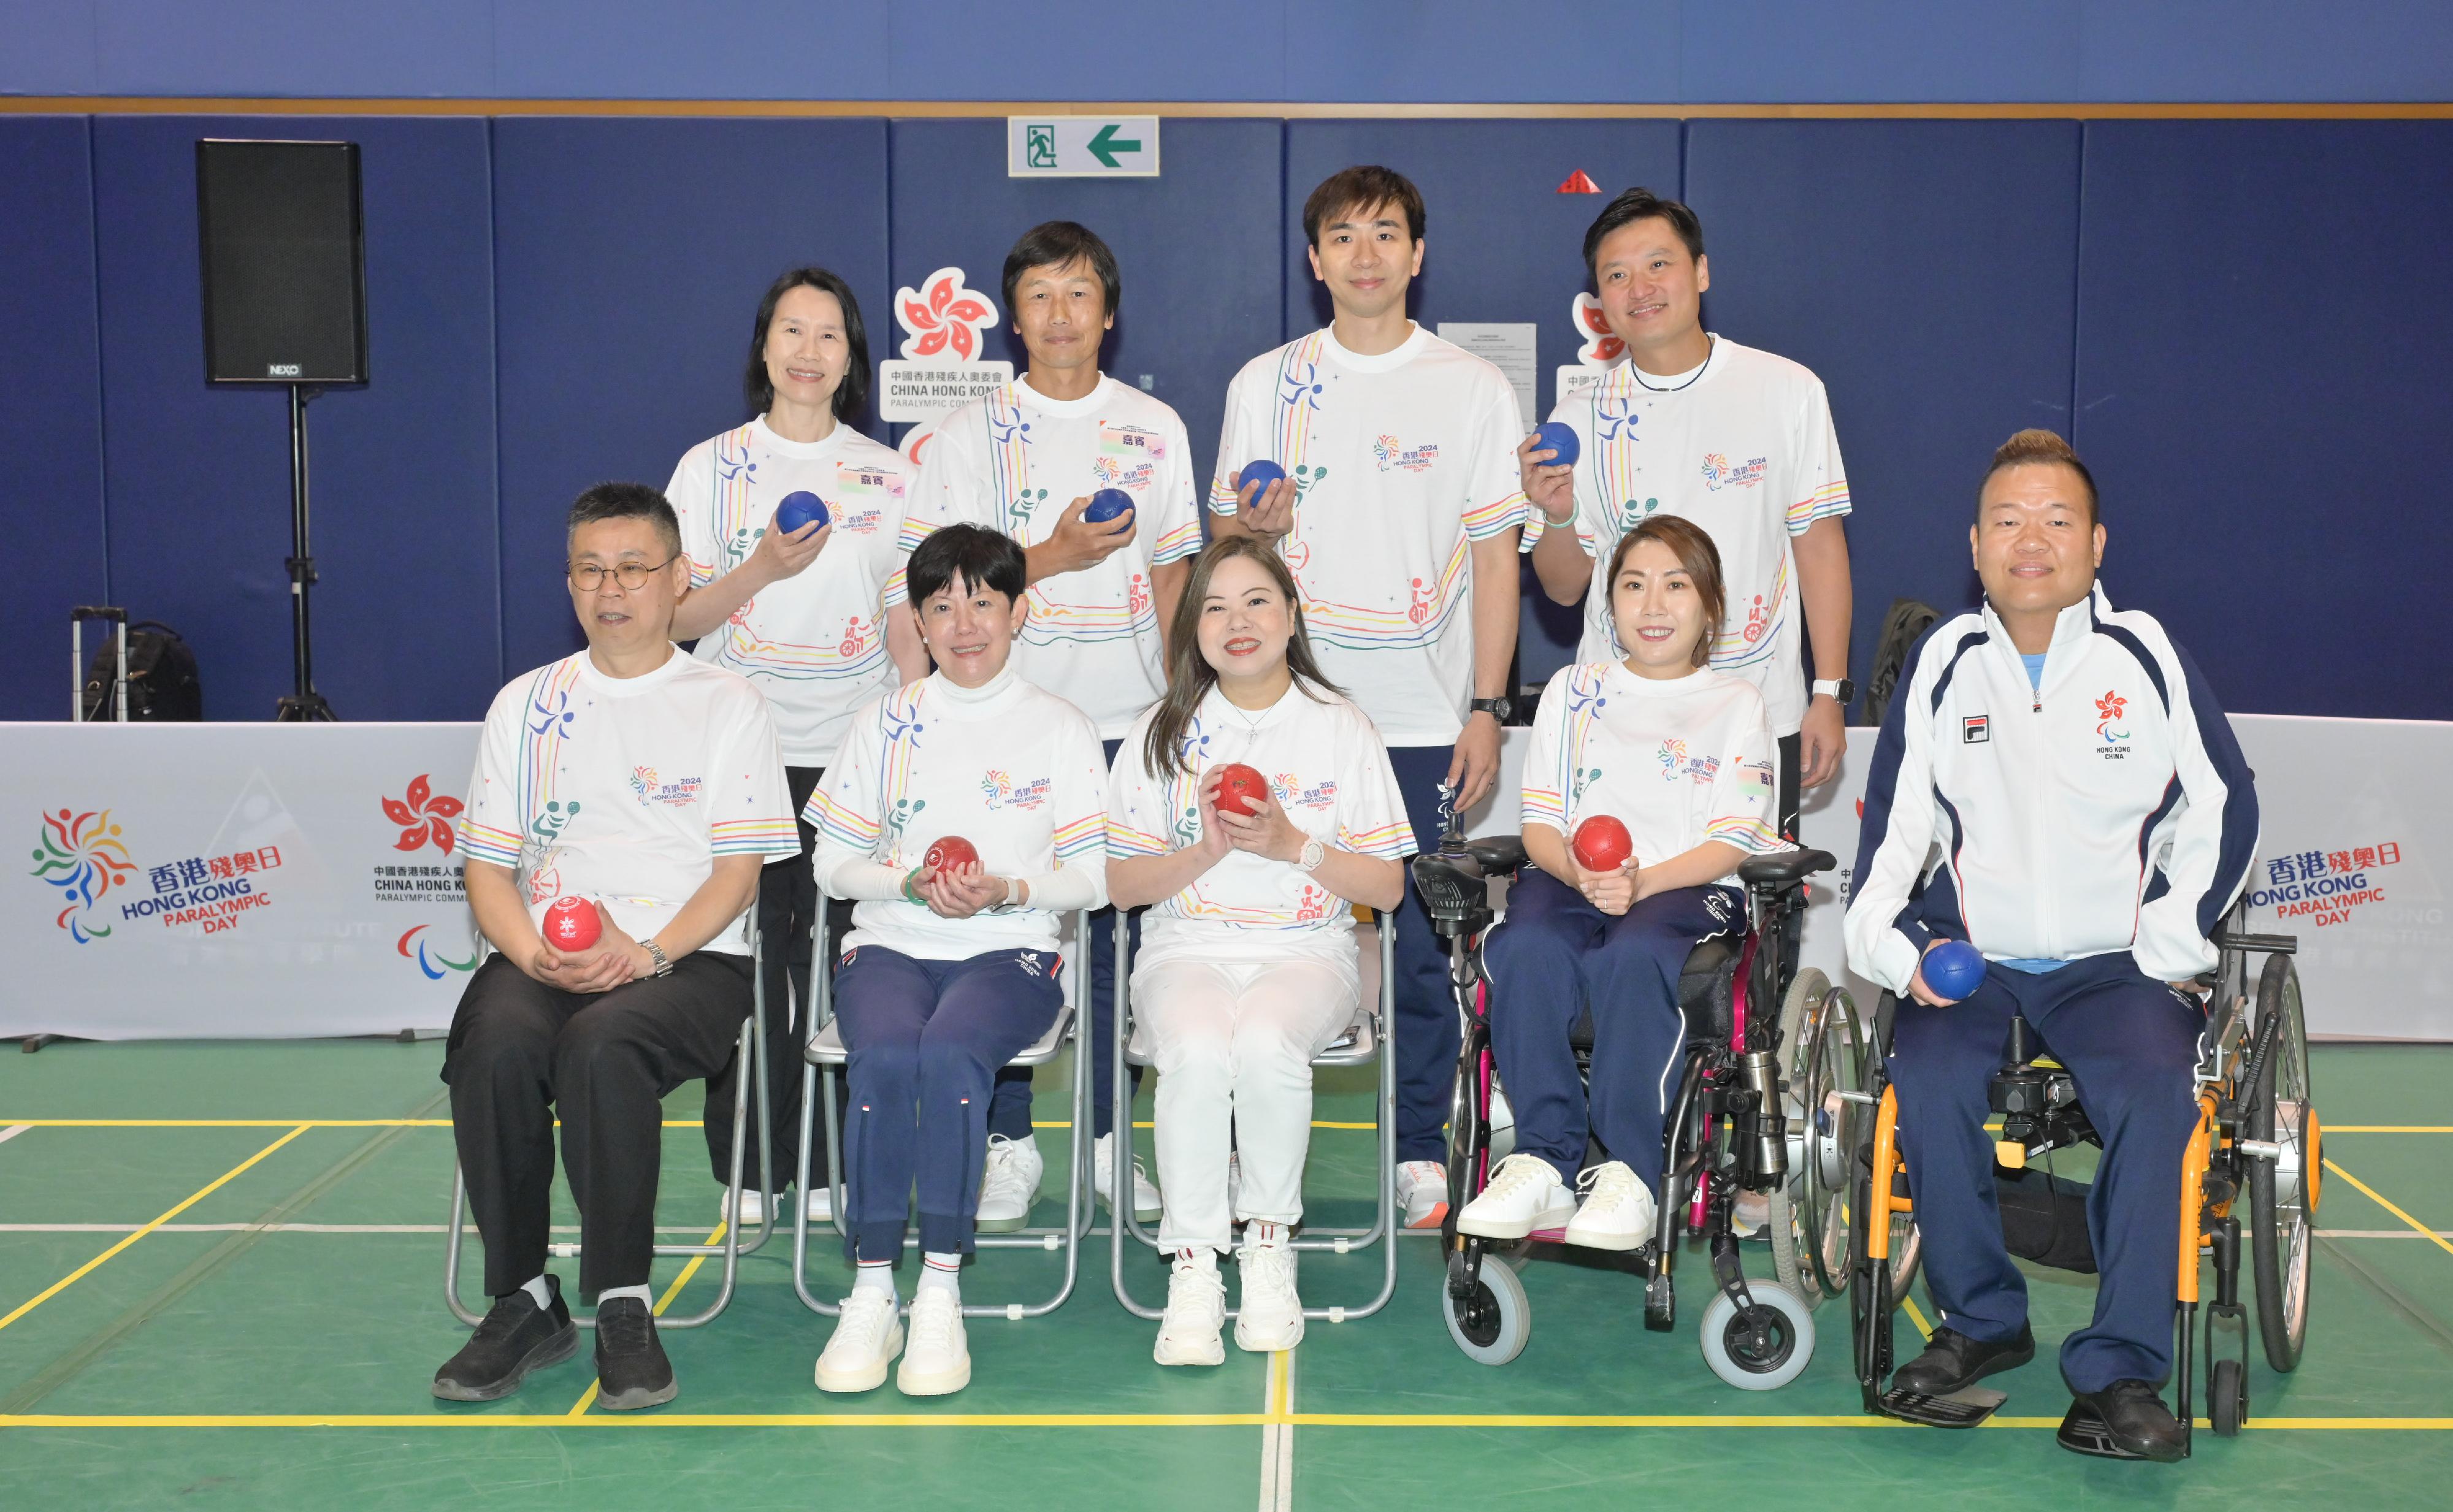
[926, 1039]
[1009, 1109]
[1426, 1015]
[1556, 956]
[2132, 1044]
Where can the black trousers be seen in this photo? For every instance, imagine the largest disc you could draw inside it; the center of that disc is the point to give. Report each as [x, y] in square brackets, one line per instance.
[788, 905]
[521, 1051]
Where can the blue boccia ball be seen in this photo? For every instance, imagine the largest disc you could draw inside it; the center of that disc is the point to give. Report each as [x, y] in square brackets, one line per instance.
[1106, 504]
[1261, 471]
[798, 510]
[1953, 969]
[1559, 436]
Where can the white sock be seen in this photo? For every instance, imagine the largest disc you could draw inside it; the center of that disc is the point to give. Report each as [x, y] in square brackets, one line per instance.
[875, 1274]
[538, 1290]
[1260, 1233]
[611, 1292]
[940, 1272]
[1199, 1258]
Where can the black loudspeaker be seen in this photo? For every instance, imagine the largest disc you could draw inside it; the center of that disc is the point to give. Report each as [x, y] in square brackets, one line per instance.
[285, 262]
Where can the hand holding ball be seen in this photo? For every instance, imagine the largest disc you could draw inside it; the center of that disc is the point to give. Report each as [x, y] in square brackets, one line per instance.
[1241, 790]
[1560, 437]
[1106, 504]
[1261, 471]
[1953, 969]
[948, 852]
[1603, 844]
[799, 509]
[572, 925]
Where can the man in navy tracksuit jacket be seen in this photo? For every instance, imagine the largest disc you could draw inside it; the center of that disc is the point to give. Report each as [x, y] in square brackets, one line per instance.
[2056, 785]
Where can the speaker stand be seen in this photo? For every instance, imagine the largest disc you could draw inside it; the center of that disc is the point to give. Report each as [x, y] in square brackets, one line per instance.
[304, 704]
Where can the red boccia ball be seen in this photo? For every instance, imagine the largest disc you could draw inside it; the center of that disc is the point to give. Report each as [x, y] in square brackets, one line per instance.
[573, 924]
[1603, 844]
[949, 851]
[1241, 789]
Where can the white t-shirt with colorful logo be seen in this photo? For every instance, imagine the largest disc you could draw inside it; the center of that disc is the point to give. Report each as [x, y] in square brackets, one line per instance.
[1678, 762]
[813, 643]
[1329, 771]
[625, 789]
[1013, 768]
[1746, 450]
[1015, 462]
[1399, 460]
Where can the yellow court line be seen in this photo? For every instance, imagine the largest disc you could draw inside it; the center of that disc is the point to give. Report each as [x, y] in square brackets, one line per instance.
[63, 1282]
[2389, 1129]
[587, 1398]
[1090, 1420]
[2433, 1236]
[1917, 1318]
[445, 1122]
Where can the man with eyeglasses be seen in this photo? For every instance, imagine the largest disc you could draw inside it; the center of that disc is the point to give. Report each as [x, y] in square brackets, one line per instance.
[649, 786]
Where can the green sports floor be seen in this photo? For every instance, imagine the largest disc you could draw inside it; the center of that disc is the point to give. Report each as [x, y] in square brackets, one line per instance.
[220, 1275]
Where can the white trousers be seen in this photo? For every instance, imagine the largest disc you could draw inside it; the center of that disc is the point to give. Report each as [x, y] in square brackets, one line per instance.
[1233, 1046]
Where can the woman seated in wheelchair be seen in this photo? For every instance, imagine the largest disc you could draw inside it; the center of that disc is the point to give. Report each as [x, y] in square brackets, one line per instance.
[951, 968]
[1247, 966]
[1681, 755]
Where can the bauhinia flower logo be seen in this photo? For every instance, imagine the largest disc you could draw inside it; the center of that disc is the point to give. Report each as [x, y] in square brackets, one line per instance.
[425, 815]
[942, 319]
[84, 856]
[1600, 347]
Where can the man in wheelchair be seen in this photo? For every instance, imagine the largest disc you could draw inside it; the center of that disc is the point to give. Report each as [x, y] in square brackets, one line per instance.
[2055, 785]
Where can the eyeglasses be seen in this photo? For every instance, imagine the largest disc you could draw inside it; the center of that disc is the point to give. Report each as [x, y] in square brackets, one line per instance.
[587, 577]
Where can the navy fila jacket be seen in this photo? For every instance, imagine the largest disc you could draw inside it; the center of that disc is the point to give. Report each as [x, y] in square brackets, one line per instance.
[2107, 808]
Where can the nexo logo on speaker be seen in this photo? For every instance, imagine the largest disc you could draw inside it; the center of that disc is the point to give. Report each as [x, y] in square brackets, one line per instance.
[282, 369]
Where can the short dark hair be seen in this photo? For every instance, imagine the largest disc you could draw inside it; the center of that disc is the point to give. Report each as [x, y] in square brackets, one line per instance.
[1362, 189]
[1061, 244]
[852, 396]
[2036, 445]
[981, 557]
[1640, 204]
[626, 501]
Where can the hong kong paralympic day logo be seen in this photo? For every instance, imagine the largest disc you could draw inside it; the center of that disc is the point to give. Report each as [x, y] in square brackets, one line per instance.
[83, 857]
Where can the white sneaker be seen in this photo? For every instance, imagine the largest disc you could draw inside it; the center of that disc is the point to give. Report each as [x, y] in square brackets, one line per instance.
[1270, 1315]
[1750, 1216]
[1196, 1311]
[751, 1207]
[866, 1339]
[939, 1361]
[1008, 1184]
[1618, 1210]
[1146, 1206]
[1524, 1194]
[820, 1201]
[1423, 1192]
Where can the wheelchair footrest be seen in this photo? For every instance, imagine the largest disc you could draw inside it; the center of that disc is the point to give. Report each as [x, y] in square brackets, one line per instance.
[1964, 1408]
[2084, 1431]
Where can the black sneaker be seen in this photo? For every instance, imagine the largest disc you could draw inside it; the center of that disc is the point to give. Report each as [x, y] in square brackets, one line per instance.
[2126, 1420]
[517, 1337]
[1953, 1362]
[631, 1370]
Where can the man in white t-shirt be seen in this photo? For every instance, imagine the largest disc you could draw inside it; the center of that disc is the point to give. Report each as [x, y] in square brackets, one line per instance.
[1398, 512]
[648, 785]
[1028, 461]
[1736, 440]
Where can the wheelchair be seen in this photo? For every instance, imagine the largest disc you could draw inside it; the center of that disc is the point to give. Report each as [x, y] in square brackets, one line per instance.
[1729, 1128]
[2257, 1140]
[1368, 1037]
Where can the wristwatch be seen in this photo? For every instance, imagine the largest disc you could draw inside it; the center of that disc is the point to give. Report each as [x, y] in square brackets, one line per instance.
[1313, 854]
[1840, 689]
[1498, 708]
[663, 967]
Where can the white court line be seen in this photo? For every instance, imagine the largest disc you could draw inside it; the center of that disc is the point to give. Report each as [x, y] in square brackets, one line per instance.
[1278, 1438]
[12, 1131]
[699, 1229]
[2381, 1233]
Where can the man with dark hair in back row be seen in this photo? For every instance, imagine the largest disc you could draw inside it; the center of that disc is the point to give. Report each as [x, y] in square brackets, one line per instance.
[650, 785]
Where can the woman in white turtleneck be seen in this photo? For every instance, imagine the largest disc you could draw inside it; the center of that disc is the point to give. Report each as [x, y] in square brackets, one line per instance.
[951, 971]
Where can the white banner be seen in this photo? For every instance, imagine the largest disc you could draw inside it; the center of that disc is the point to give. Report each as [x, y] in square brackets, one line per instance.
[2351, 858]
[235, 881]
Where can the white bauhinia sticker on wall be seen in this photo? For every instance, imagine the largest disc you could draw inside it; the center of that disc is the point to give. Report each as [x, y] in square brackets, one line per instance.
[943, 366]
[1598, 354]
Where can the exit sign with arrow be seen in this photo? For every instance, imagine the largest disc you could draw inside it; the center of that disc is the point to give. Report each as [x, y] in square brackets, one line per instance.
[1081, 145]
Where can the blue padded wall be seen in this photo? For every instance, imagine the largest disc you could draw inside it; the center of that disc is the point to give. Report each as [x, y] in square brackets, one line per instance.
[2265, 350]
[50, 407]
[1926, 272]
[1197, 248]
[1500, 243]
[402, 470]
[630, 255]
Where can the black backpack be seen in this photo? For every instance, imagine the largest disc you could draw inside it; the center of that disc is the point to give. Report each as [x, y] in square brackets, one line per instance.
[161, 677]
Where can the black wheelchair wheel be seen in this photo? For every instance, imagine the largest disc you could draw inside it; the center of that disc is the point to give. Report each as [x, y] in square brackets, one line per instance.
[2281, 1192]
[2227, 1397]
[1763, 1352]
[1492, 1324]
